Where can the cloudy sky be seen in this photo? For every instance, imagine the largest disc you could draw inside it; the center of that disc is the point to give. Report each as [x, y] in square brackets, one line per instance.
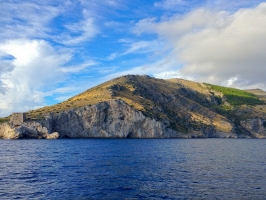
[51, 50]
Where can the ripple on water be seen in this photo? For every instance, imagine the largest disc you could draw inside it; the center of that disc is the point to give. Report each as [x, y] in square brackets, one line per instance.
[145, 168]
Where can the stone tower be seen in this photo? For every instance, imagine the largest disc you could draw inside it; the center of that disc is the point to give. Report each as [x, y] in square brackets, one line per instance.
[18, 118]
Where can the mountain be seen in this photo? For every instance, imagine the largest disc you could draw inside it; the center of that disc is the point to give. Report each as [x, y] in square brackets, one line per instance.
[146, 107]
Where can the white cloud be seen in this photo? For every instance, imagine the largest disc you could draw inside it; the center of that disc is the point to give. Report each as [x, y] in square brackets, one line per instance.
[36, 68]
[62, 98]
[216, 47]
[78, 68]
[167, 74]
[156, 68]
[169, 4]
[5, 68]
[112, 56]
[179, 26]
[186, 5]
[231, 5]
[26, 19]
[61, 90]
[79, 32]
[153, 48]
[138, 47]
[98, 6]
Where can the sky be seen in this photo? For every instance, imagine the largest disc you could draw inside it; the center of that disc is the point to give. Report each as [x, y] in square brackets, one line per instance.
[54, 49]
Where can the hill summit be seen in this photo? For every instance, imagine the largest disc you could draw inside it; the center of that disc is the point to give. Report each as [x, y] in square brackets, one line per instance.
[151, 107]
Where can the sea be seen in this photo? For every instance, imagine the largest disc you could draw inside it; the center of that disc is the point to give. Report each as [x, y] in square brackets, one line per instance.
[133, 169]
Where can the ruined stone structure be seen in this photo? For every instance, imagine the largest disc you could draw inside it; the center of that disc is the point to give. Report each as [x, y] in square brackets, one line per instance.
[18, 118]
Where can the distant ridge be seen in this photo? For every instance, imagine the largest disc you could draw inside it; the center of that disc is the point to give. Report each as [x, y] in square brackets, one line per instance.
[258, 92]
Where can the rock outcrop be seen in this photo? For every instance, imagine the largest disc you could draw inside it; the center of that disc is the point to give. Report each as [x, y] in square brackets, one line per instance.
[28, 129]
[7, 132]
[52, 136]
[112, 119]
[255, 127]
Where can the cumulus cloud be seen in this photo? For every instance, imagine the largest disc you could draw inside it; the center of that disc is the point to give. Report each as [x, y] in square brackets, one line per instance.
[217, 47]
[34, 69]
[31, 66]
[5, 68]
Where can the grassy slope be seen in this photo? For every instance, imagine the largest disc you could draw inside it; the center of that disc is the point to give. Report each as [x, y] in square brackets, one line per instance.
[237, 97]
[100, 93]
[4, 119]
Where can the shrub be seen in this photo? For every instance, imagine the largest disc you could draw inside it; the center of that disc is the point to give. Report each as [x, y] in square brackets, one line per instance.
[3, 120]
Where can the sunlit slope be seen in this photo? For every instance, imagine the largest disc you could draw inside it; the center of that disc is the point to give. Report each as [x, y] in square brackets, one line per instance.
[167, 100]
[183, 105]
[100, 93]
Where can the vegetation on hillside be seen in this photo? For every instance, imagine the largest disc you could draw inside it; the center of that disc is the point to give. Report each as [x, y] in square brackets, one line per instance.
[183, 105]
[236, 97]
[243, 105]
[4, 119]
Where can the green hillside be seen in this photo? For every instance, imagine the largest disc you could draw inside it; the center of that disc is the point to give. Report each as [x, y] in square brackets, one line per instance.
[236, 97]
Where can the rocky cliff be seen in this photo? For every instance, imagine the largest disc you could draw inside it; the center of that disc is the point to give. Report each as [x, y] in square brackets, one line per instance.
[112, 119]
[146, 107]
[28, 129]
[255, 128]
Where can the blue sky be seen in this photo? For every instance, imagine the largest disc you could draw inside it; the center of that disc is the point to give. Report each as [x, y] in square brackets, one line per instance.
[51, 50]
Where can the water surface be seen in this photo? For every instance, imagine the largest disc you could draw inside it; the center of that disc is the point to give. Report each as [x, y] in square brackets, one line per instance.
[133, 169]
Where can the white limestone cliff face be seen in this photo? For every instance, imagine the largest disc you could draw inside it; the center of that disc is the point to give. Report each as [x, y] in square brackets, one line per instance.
[115, 119]
[52, 136]
[112, 119]
[29, 129]
[7, 132]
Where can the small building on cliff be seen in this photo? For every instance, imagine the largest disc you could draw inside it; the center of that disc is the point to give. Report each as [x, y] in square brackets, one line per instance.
[17, 118]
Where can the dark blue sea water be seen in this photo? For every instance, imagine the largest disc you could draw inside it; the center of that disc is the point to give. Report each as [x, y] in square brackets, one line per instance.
[133, 169]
